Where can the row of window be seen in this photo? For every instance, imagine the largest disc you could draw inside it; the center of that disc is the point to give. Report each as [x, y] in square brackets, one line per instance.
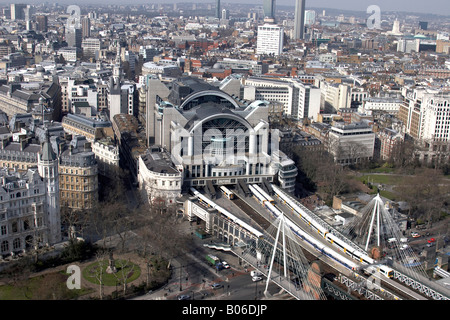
[77, 187]
[74, 195]
[21, 225]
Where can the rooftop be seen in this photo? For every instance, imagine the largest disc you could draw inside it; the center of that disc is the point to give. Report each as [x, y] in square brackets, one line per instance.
[159, 161]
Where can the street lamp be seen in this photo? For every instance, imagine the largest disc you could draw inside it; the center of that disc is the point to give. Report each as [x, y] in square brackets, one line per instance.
[181, 288]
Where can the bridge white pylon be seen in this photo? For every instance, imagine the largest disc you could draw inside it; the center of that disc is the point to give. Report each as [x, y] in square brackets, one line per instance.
[377, 230]
[287, 265]
[375, 215]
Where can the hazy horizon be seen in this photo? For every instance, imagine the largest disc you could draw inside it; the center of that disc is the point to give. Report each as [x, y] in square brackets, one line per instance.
[440, 7]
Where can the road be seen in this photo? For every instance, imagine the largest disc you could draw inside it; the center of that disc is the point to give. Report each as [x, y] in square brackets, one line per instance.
[193, 276]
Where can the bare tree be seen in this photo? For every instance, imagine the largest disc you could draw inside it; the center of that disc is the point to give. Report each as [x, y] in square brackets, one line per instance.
[99, 271]
[319, 168]
[161, 230]
[425, 192]
[403, 154]
[125, 269]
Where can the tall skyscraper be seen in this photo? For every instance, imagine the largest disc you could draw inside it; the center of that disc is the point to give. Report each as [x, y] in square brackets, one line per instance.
[18, 11]
[86, 27]
[42, 23]
[74, 37]
[269, 9]
[218, 11]
[299, 22]
[310, 17]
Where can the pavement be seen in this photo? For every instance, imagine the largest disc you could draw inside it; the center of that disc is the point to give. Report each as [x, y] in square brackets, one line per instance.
[198, 289]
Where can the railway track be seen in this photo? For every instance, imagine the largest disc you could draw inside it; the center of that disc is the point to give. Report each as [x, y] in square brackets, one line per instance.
[264, 223]
[312, 257]
[252, 213]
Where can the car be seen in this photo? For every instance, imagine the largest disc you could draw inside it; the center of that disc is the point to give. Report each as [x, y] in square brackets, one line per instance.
[431, 240]
[225, 265]
[255, 273]
[216, 286]
[256, 278]
[184, 297]
[415, 234]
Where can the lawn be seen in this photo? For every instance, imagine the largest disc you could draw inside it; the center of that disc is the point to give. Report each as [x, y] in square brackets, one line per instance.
[125, 270]
[381, 178]
[51, 286]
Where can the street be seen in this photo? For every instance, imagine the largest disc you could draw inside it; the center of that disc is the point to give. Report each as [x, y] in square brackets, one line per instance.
[193, 276]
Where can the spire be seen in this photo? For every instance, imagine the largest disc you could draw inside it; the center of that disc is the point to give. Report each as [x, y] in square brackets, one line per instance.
[47, 151]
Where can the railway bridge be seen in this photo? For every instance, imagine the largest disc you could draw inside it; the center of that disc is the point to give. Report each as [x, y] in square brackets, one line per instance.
[275, 252]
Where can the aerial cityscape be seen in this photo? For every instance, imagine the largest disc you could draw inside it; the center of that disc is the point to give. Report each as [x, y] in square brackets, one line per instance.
[225, 151]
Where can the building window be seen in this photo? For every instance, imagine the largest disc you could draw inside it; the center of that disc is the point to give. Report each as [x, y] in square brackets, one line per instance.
[16, 244]
[4, 246]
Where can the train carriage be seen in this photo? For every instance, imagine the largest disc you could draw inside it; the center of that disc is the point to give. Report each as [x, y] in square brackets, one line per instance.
[227, 192]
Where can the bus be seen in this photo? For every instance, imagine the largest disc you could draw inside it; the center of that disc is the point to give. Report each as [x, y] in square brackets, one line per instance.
[228, 193]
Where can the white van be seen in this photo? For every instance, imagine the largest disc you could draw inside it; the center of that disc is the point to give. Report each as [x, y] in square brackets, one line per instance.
[255, 273]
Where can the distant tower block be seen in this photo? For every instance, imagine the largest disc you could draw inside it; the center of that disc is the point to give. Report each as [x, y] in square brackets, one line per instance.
[299, 21]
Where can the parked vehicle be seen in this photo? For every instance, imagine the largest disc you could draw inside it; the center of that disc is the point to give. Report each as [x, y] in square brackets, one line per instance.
[214, 261]
[255, 273]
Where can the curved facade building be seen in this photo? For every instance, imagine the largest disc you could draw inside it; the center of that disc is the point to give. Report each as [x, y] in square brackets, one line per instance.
[211, 136]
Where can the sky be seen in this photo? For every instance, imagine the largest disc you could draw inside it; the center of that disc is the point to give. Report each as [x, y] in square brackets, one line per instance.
[424, 6]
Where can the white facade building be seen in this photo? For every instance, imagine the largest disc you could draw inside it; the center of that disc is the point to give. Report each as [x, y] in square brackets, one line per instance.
[23, 218]
[215, 139]
[79, 93]
[70, 54]
[300, 100]
[90, 46]
[107, 155]
[351, 143]
[270, 39]
[387, 105]
[48, 169]
[158, 178]
[436, 121]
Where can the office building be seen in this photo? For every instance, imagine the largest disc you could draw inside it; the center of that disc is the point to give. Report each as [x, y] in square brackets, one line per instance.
[74, 37]
[41, 23]
[310, 17]
[91, 47]
[93, 128]
[158, 178]
[299, 20]
[85, 27]
[351, 143]
[269, 9]
[18, 11]
[78, 172]
[218, 11]
[423, 25]
[300, 101]
[16, 99]
[270, 39]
